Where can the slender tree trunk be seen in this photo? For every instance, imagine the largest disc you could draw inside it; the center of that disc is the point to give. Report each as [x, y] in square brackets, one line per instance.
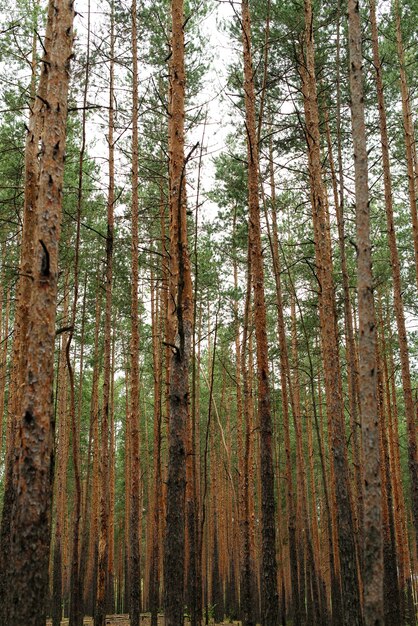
[243, 399]
[76, 595]
[352, 373]
[392, 609]
[134, 564]
[288, 399]
[398, 304]
[157, 505]
[90, 583]
[61, 473]
[127, 475]
[192, 505]
[270, 604]
[87, 503]
[391, 597]
[110, 602]
[329, 335]
[313, 570]
[103, 556]
[180, 327]
[409, 136]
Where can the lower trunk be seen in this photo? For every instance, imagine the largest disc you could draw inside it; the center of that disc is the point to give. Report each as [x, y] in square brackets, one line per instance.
[176, 484]
[56, 608]
[217, 595]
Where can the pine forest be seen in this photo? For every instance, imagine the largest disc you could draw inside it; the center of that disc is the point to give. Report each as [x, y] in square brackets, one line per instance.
[208, 312]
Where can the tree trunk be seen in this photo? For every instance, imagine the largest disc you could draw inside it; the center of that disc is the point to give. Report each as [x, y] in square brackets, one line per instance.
[76, 595]
[33, 464]
[180, 331]
[392, 610]
[409, 136]
[270, 604]
[157, 505]
[90, 581]
[243, 399]
[60, 496]
[103, 556]
[329, 335]
[23, 299]
[134, 563]
[397, 293]
[372, 530]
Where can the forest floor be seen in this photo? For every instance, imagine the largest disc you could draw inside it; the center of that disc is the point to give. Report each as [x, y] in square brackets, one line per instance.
[123, 620]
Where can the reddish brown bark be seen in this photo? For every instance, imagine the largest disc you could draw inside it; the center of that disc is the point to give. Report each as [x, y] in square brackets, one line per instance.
[33, 464]
[392, 610]
[352, 373]
[134, 562]
[61, 473]
[76, 595]
[409, 137]
[243, 400]
[23, 296]
[398, 304]
[270, 605]
[180, 331]
[3, 361]
[112, 482]
[329, 335]
[157, 479]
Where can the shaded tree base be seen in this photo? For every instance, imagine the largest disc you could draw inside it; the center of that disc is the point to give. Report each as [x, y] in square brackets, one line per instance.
[123, 620]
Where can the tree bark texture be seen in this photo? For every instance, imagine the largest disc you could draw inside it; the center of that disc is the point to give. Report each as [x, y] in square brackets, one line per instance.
[410, 148]
[372, 522]
[270, 601]
[134, 563]
[33, 462]
[180, 332]
[329, 335]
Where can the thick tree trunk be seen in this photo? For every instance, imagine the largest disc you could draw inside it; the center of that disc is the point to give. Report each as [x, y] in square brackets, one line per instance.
[33, 463]
[3, 361]
[372, 529]
[23, 299]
